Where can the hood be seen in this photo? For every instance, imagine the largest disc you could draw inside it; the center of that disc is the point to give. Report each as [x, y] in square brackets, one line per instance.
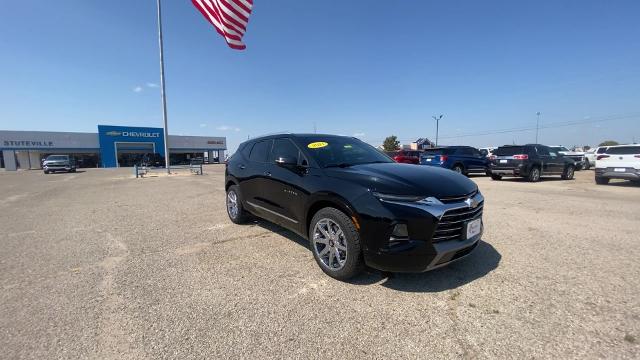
[406, 179]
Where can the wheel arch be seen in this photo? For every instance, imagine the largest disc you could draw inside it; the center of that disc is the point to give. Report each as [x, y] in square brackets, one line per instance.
[321, 201]
[229, 183]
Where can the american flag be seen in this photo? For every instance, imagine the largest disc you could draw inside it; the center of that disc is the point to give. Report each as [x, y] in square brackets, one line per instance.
[229, 17]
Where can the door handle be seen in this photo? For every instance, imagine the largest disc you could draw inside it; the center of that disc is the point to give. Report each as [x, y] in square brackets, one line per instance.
[242, 167]
[267, 173]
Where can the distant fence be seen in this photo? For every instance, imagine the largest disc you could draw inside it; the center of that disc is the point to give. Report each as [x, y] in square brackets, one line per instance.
[194, 167]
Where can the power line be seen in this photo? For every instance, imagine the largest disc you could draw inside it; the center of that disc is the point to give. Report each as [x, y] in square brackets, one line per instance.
[532, 128]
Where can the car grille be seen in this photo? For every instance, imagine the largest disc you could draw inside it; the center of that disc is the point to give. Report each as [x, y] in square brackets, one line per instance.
[452, 199]
[452, 222]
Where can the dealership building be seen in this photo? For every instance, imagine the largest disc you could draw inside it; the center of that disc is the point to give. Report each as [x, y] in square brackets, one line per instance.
[111, 146]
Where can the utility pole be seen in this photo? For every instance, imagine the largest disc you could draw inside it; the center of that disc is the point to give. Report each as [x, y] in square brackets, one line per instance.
[437, 119]
[162, 92]
[537, 125]
[314, 128]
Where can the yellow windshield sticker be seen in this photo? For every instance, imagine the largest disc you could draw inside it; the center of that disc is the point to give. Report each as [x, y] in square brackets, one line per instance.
[317, 145]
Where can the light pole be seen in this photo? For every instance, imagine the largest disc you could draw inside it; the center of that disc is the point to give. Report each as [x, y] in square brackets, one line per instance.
[537, 125]
[163, 93]
[437, 119]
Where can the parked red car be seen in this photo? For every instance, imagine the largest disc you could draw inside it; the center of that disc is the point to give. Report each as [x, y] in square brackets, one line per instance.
[407, 157]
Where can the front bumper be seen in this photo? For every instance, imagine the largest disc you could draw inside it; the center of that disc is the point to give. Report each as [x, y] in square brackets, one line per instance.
[57, 167]
[611, 173]
[420, 253]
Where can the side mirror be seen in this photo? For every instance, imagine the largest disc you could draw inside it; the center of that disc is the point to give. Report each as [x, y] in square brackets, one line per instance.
[286, 161]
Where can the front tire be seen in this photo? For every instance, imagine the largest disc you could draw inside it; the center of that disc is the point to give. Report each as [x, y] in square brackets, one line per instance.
[335, 244]
[587, 165]
[237, 214]
[496, 177]
[568, 173]
[534, 174]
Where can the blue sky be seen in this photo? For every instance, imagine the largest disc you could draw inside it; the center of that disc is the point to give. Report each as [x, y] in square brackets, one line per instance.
[371, 68]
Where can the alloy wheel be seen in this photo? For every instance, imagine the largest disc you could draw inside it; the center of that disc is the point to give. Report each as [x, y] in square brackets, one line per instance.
[330, 244]
[232, 204]
[536, 174]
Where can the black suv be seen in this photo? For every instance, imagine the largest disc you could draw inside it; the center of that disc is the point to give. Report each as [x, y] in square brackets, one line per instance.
[354, 204]
[530, 161]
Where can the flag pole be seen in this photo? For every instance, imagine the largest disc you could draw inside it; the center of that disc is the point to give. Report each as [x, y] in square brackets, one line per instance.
[162, 92]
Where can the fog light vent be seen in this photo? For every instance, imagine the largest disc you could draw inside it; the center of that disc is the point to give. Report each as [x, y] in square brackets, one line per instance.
[400, 232]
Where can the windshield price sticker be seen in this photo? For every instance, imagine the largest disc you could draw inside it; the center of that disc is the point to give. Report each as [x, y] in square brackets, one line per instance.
[317, 145]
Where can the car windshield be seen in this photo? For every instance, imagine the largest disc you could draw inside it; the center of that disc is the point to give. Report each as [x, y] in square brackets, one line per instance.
[559, 148]
[330, 151]
[57, 157]
[509, 150]
[438, 151]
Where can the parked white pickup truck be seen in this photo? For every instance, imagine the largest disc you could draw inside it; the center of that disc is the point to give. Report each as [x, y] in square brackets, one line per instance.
[590, 156]
[618, 162]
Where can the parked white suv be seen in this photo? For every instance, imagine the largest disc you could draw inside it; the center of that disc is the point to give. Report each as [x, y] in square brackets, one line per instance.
[618, 162]
[590, 156]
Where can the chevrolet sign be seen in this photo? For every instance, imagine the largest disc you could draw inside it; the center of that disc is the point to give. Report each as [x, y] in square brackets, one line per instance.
[137, 134]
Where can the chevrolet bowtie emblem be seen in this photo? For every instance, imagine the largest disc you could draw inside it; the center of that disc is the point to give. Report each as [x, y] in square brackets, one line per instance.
[471, 203]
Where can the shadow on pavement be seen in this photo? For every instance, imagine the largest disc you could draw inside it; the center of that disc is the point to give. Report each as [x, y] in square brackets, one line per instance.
[484, 259]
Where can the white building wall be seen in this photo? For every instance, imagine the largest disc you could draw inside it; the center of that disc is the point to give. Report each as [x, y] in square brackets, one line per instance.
[9, 160]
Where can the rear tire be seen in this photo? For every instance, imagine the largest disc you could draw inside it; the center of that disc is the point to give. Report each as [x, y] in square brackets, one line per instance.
[568, 173]
[602, 180]
[335, 244]
[46, 172]
[587, 165]
[496, 177]
[458, 168]
[237, 213]
[534, 174]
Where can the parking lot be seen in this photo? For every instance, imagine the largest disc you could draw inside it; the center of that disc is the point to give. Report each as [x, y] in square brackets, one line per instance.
[98, 264]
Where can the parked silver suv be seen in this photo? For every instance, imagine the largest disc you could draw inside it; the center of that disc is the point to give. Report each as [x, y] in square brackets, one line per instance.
[59, 163]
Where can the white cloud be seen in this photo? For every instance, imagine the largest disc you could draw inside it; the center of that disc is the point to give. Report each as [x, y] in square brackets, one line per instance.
[203, 125]
[152, 85]
[359, 134]
[137, 89]
[227, 128]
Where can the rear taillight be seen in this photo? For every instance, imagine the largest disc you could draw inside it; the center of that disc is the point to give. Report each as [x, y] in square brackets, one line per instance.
[521, 157]
[638, 156]
[600, 157]
[443, 158]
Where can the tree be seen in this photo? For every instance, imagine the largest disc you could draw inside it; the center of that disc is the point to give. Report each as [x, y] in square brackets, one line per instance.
[391, 143]
[608, 143]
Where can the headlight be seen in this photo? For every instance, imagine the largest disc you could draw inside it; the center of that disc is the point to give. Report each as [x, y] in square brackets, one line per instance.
[400, 198]
[407, 198]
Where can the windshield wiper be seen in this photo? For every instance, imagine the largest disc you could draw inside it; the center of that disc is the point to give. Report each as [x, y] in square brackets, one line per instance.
[340, 165]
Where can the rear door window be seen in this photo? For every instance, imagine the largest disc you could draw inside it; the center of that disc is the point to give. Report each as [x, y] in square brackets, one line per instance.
[624, 150]
[260, 151]
[602, 150]
[542, 150]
